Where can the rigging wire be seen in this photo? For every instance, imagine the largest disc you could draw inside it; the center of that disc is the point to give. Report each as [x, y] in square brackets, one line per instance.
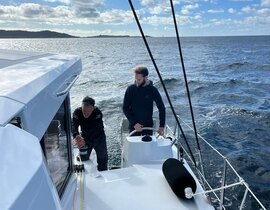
[161, 80]
[185, 76]
[186, 84]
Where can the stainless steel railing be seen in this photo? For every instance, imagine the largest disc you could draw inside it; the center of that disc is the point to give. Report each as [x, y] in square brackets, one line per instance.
[227, 166]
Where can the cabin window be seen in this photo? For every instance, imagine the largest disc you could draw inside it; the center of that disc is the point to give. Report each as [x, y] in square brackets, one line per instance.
[56, 144]
[16, 121]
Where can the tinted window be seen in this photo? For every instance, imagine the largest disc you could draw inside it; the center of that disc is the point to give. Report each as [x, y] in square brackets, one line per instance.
[56, 143]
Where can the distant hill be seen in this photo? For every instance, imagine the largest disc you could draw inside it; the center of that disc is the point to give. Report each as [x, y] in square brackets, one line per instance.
[13, 34]
[109, 36]
[32, 34]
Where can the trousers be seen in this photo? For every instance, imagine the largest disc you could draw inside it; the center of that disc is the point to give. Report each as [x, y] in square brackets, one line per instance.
[100, 146]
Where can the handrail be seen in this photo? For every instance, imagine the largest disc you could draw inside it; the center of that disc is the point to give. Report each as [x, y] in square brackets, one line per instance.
[222, 193]
[203, 139]
[144, 128]
[211, 191]
[70, 84]
[241, 181]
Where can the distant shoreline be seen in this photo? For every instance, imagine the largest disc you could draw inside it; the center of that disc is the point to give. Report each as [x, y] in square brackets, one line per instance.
[33, 34]
[20, 34]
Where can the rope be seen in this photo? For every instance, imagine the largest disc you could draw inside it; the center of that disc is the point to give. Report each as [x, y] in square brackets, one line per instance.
[79, 204]
[79, 171]
[160, 78]
[81, 190]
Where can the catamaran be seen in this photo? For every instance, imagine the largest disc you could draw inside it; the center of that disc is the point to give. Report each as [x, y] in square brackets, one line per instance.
[41, 168]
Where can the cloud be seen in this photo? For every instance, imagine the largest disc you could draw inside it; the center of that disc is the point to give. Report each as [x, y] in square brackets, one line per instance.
[186, 9]
[260, 12]
[157, 20]
[62, 15]
[147, 2]
[265, 3]
[86, 8]
[160, 9]
[248, 21]
[155, 7]
[80, 16]
[116, 17]
[247, 9]
[87, 12]
[191, 6]
[62, 1]
[87, 3]
[215, 11]
[34, 12]
[256, 20]
[241, 0]
[231, 10]
[264, 12]
[197, 17]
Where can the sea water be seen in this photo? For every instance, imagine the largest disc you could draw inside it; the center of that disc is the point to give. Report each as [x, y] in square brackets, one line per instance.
[229, 84]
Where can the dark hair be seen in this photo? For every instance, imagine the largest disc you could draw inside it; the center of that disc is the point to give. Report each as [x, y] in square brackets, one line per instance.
[141, 70]
[88, 101]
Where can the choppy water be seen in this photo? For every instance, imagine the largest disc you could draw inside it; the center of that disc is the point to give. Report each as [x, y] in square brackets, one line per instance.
[229, 81]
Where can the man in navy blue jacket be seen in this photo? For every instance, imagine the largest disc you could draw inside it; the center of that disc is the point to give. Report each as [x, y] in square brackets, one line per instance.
[138, 103]
[89, 118]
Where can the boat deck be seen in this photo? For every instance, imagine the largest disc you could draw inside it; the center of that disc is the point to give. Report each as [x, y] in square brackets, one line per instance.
[135, 187]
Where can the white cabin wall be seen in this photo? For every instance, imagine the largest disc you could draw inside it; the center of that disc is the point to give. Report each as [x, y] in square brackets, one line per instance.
[24, 177]
[39, 112]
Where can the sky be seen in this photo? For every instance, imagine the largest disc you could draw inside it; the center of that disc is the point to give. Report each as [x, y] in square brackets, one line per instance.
[114, 17]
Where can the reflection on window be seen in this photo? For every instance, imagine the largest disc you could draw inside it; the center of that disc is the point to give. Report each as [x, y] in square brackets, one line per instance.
[16, 121]
[56, 148]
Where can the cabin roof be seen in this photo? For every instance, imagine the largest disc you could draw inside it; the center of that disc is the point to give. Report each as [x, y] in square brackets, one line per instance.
[24, 75]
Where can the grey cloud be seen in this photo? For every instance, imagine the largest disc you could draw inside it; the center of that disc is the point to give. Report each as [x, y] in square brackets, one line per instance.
[87, 3]
[86, 12]
[86, 8]
[35, 10]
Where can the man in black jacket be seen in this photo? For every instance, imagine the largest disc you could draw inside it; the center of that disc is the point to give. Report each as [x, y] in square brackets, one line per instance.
[138, 103]
[89, 118]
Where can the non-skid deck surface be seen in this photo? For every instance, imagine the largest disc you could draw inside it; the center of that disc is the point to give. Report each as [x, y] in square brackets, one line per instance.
[140, 187]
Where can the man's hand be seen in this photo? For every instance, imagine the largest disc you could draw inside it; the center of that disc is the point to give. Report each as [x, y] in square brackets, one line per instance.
[161, 131]
[138, 127]
[79, 141]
